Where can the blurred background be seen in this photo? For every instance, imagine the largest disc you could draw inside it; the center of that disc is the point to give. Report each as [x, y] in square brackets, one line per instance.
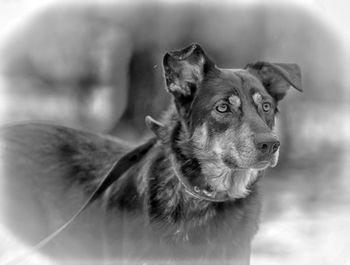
[96, 65]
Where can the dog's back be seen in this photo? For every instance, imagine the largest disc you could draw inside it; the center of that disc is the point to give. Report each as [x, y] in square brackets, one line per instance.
[48, 172]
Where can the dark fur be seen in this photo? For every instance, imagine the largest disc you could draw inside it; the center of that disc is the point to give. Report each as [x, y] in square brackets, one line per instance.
[147, 213]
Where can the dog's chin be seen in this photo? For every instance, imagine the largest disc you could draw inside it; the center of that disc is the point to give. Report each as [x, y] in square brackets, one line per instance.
[233, 164]
[261, 165]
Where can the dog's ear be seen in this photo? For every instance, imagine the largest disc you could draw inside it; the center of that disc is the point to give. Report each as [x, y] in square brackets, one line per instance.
[184, 71]
[157, 128]
[277, 77]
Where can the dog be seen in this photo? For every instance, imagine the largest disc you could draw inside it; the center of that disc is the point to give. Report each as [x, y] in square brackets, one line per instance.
[190, 197]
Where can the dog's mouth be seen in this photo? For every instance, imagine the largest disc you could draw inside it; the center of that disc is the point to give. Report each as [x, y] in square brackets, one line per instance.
[260, 165]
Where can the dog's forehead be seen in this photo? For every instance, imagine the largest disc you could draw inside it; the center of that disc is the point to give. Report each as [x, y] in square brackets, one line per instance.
[247, 81]
[232, 81]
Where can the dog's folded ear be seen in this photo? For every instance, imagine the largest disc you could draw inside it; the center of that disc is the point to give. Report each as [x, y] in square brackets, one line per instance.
[157, 128]
[277, 77]
[184, 70]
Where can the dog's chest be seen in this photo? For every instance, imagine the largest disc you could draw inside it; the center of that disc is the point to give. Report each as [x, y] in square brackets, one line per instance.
[168, 221]
[185, 226]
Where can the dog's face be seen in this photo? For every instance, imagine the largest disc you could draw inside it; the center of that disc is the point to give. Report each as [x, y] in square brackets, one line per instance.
[232, 118]
[229, 114]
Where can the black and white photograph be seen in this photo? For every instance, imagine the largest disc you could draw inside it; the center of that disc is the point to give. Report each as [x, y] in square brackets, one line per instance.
[174, 132]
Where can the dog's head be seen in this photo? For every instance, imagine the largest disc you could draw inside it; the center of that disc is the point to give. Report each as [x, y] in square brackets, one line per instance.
[229, 113]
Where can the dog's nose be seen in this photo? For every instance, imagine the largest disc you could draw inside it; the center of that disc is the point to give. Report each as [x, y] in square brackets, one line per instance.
[267, 145]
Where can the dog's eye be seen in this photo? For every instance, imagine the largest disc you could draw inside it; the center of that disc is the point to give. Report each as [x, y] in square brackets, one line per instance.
[266, 106]
[222, 108]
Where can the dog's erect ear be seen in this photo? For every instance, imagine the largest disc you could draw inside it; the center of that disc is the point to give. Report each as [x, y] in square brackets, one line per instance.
[184, 70]
[277, 77]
